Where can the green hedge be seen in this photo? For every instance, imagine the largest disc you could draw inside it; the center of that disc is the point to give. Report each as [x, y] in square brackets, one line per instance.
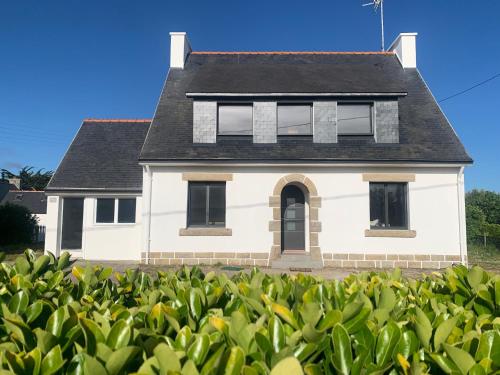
[90, 321]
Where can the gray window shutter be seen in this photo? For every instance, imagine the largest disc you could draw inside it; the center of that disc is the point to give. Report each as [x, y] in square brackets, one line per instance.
[386, 121]
[264, 122]
[204, 122]
[325, 122]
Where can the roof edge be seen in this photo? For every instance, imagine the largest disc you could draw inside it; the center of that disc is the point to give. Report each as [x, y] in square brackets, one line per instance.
[292, 53]
[117, 120]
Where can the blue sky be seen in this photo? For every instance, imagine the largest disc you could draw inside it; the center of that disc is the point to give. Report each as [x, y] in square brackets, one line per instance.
[62, 61]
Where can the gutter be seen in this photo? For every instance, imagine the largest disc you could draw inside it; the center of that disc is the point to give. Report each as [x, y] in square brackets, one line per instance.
[148, 205]
[461, 217]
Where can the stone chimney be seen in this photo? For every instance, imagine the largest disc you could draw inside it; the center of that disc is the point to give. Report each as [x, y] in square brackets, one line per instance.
[405, 47]
[179, 49]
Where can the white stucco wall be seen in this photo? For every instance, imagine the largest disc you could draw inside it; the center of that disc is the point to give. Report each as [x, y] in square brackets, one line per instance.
[99, 241]
[433, 210]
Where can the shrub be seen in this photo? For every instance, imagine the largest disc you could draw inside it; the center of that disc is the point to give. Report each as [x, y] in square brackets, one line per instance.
[81, 321]
[17, 225]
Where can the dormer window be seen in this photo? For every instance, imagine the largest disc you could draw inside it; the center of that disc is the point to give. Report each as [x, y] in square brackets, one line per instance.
[354, 119]
[294, 119]
[235, 119]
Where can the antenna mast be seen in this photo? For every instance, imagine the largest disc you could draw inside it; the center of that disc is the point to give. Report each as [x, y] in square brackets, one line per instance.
[376, 4]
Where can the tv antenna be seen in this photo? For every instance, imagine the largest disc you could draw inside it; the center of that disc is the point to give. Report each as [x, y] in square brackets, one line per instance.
[379, 4]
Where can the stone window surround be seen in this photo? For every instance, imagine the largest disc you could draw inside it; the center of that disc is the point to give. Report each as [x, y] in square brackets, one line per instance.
[389, 177]
[314, 223]
[208, 177]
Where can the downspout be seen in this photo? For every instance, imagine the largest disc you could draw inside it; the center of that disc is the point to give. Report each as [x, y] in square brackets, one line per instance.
[461, 218]
[148, 216]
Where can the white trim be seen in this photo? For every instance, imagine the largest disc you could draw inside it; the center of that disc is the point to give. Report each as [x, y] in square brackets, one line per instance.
[461, 216]
[115, 222]
[212, 163]
[231, 94]
[84, 194]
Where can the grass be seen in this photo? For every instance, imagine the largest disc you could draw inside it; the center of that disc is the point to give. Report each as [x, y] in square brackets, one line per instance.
[487, 257]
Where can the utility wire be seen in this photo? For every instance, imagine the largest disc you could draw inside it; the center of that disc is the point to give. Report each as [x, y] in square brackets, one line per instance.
[471, 88]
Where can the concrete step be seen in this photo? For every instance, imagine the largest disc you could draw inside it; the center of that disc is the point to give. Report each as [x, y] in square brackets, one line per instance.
[296, 261]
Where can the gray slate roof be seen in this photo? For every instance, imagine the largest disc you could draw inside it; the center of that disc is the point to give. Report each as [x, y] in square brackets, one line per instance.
[35, 201]
[103, 156]
[425, 134]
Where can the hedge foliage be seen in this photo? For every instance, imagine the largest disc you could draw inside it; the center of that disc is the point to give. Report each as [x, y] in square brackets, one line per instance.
[58, 319]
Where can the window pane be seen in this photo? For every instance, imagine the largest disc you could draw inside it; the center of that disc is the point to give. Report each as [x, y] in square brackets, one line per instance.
[377, 205]
[294, 120]
[396, 205]
[105, 210]
[235, 120]
[126, 210]
[217, 204]
[354, 119]
[197, 204]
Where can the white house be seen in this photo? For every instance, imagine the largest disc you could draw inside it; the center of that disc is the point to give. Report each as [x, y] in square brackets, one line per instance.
[310, 159]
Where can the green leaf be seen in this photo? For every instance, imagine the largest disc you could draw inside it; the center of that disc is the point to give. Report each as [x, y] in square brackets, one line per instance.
[22, 266]
[213, 363]
[276, 333]
[119, 360]
[357, 322]
[53, 361]
[287, 366]
[84, 364]
[45, 340]
[311, 313]
[33, 311]
[21, 332]
[331, 318]
[119, 335]
[342, 355]
[489, 347]
[477, 369]
[423, 327]
[387, 340]
[63, 261]
[443, 331]
[235, 361]
[461, 358]
[445, 363]
[387, 299]
[19, 302]
[167, 359]
[408, 344]
[475, 277]
[41, 264]
[189, 368]
[194, 304]
[93, 335]
[55, 322]
[351, 310]
[199, 349]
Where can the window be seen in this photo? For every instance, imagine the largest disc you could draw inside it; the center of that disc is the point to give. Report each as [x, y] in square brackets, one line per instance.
[354, 119]
[388, 205]
[294, 119]
[235, 119]
[207, 204]
[111, 210]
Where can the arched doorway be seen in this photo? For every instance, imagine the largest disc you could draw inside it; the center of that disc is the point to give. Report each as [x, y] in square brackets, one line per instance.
[293, 236]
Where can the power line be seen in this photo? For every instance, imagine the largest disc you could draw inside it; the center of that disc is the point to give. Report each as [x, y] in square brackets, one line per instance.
[470, 88]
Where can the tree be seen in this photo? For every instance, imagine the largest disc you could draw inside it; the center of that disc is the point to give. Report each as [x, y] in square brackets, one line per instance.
[487, 201]
[31, 180]
[476, 221]
[17, 224]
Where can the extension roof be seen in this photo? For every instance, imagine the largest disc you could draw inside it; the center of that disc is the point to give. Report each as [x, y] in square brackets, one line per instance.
[35, 201]
[425, 134]
[103, 156]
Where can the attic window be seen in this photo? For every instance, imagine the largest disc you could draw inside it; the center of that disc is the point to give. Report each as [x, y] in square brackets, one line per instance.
[235, 119]
[294, 119]
[354, 119]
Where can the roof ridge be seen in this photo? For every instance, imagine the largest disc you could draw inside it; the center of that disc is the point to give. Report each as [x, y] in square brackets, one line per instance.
[292, 53]
[116, 120]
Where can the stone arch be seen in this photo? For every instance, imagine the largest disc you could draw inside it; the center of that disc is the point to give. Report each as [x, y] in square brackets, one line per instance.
[314, 205]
